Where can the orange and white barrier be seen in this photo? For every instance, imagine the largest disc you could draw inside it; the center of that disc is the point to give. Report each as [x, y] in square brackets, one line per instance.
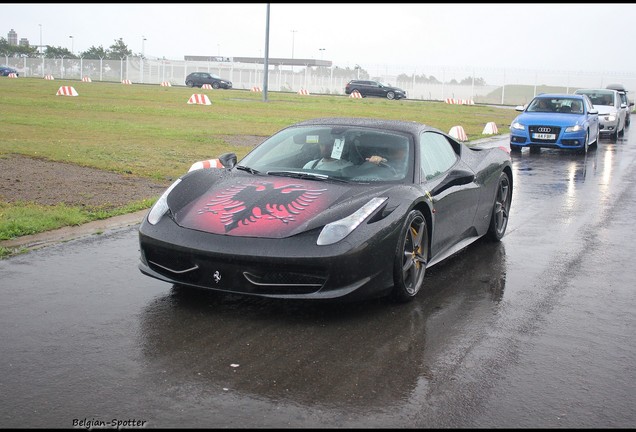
[490, 129]
[166, 84]
[49, 77]
[303, 92]
[199, 99]
[87, 79]
[458, 133]
[206, 86]
[459, 101]
[355, 94]
[256, 89]
[210, 163]
[13, 75]
[66, 91]
[126, 82]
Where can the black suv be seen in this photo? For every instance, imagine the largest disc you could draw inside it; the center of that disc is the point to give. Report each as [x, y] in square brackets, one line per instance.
[197, 79]
[374, 88]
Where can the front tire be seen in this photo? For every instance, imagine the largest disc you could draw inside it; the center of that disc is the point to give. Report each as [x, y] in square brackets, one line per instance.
[500, 209]
[215, 85]
[586, 145]
[390, 95]
[411, 257]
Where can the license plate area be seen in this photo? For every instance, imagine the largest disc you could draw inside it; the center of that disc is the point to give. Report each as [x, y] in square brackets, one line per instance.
[544, 136]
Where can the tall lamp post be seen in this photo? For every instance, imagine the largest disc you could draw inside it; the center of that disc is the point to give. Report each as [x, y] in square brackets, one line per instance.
[41, 50]
[72, 43]
[293, 32]
[321, 51]
[143, 40]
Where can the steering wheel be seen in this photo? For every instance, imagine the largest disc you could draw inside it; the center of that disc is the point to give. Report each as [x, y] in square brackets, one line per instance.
[386, 165]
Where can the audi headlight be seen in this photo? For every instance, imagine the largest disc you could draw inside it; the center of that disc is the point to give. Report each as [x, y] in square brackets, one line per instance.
[335, 231]
[517, 125]
[574, 128]
[161, 206]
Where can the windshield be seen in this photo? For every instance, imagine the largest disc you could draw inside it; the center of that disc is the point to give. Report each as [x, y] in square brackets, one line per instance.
[599, 97]
[556, 105]
[338, 153]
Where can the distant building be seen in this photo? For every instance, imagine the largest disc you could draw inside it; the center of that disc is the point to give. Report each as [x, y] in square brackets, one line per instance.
[12, 37]
[259, 60]
[24, 42]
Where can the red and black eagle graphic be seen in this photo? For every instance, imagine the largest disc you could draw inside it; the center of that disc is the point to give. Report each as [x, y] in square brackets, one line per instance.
[257, 208]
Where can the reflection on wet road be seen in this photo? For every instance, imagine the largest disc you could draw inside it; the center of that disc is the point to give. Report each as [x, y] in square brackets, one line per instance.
[535, 331]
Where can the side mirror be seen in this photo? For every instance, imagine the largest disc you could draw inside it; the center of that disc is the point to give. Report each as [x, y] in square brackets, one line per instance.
[228, 160]
[593, 111]
[520, 107]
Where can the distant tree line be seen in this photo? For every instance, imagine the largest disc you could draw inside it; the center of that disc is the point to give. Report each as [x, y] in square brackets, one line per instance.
[116, 51]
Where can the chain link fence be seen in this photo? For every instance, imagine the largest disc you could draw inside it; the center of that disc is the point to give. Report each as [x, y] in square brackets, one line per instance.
[499, 86]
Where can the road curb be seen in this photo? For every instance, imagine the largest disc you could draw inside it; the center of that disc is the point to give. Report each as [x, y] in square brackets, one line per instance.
[36, 241]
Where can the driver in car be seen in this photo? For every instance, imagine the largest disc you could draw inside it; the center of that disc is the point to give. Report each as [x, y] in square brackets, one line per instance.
[396, 158]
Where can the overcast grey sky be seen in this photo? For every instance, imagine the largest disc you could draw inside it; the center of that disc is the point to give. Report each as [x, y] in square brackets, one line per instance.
[564, 36]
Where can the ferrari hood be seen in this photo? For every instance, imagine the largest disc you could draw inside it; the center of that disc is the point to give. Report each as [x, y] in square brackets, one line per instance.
[268, 207]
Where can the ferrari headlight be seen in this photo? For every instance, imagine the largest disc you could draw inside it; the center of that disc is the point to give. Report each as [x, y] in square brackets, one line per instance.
[161, 206]
[574, 128]
[335, 231]
[517, 125]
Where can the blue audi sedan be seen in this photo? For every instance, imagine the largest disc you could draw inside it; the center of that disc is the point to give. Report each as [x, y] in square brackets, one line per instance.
[564, 121]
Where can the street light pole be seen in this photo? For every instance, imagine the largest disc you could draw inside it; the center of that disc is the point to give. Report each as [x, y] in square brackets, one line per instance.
[293, 37]
[321, 51]
[143, 39]
[41, 50]
[72, 43]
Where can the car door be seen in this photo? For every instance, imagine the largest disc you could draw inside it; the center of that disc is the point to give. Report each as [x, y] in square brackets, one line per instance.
[454, 206]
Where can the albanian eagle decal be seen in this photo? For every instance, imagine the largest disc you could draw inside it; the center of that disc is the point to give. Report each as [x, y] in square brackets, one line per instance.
[263, 208]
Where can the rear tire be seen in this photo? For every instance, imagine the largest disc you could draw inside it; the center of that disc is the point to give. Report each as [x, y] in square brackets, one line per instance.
[500, 209]
[411, 257]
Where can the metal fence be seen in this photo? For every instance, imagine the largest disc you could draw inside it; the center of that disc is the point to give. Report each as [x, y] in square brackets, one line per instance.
[479, 85]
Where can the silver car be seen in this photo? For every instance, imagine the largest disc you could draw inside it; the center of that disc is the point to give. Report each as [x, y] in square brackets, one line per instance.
[611, 111]
[623, 93]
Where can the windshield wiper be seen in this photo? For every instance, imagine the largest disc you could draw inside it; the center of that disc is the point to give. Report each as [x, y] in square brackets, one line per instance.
[306, 175]
[248, 169]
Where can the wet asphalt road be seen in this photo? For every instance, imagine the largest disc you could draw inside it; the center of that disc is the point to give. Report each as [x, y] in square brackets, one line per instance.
[537, 331]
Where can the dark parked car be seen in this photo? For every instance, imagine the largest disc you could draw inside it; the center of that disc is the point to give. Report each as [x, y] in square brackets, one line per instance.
[6, 70]
[374, 88]
[197, 79]
[404, 197]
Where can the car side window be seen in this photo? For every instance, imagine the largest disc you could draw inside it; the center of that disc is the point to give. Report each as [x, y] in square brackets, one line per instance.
[437, 155]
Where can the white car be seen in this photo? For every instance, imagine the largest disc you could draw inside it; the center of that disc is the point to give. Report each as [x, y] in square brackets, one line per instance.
[611, 110]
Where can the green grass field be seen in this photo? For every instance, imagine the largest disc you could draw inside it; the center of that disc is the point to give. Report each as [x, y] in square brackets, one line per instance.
[151, 131]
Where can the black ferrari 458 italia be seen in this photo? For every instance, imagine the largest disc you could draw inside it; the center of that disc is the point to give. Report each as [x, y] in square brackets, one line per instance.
[328, 208]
